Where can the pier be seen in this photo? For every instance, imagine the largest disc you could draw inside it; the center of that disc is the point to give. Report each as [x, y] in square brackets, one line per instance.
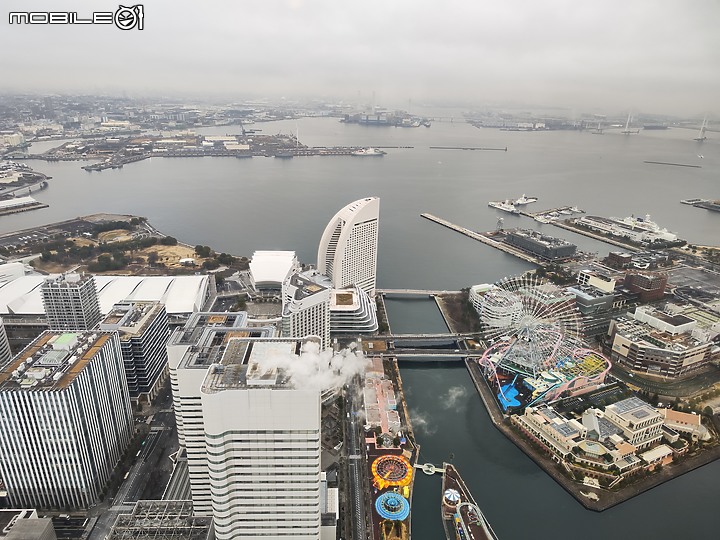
[468, 148]
[673, 164]
[485, 239]
[565, 225]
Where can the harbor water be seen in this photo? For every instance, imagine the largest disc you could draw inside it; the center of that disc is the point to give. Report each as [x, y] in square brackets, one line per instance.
[240, 206]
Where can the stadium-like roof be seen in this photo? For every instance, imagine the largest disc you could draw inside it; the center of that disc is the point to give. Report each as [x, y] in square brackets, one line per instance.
[179, 294]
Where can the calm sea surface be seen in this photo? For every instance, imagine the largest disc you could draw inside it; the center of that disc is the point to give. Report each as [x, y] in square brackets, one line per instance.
[240, 206]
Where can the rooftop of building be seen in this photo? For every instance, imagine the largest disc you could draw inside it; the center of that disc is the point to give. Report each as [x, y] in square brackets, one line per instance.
[252, 363]
[161, 520]
[10, 516]
[549, 241]
[130, 319]
[345, 300]
[633, 410]
[309, 283]
[641, 332]
[272, 266]
[69, 280]
[671, 319]
[596, 273]
[588, 292]
[51, 361]
[199, 322]
[179, 294]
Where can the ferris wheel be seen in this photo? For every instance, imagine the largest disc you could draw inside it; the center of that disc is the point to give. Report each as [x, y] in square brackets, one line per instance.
[530, 324]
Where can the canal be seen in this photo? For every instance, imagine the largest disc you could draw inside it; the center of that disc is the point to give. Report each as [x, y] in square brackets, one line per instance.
[517, 497]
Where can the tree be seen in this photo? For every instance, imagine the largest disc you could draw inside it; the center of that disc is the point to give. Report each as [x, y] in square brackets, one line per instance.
[169, 241]
[203, 251]
[152, 258]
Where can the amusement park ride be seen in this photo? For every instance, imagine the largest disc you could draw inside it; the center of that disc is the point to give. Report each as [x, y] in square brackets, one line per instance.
[536, 351]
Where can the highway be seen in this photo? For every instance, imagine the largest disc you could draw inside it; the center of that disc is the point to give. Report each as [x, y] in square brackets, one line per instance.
[355, 462]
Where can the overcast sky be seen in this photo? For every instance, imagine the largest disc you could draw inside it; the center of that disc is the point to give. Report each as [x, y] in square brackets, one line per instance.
[602, 55]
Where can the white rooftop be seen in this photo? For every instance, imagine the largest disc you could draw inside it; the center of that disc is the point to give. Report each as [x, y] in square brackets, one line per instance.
[179, 294]
[272, 267]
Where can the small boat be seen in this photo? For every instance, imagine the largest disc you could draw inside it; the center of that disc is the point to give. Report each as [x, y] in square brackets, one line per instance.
[525, 200]
[461, 516]
[363, 152]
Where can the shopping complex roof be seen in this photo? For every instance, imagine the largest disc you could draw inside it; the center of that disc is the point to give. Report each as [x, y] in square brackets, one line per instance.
[179, 294]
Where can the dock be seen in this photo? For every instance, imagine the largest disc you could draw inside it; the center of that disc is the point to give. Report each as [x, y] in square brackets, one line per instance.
[467, 148]
[673, 164]
[485, 239]
[565, 225]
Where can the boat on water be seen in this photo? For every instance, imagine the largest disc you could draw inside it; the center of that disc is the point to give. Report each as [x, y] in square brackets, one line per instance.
[461, 516]
[364, 152]
[525, 200]
[505, 206]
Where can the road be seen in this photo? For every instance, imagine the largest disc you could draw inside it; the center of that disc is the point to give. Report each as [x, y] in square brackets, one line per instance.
[356, 462]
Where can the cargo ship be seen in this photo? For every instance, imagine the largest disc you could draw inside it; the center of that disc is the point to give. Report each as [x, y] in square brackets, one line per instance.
[461, 516]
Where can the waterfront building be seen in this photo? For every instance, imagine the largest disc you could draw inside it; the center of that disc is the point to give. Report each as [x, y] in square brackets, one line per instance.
[191, 350]
[688, 423]
[5, 353]
[544, 246]
[71, 302]
[270, 269]
[497, 307]
[264, 459]
[641, 423]
[352, 311]
[348, 248]
[306, 306]
[657, 343]
[650, 286]
[164, 520]
[65, 419]
[143, 330]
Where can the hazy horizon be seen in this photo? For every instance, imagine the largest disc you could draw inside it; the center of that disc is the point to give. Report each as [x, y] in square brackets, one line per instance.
[659, 57]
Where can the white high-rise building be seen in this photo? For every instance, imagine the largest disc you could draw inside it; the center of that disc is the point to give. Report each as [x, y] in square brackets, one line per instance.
[191, 350]
[306, 306]
[71, 302]
[348, 247]
[264, 457]
[65, 419]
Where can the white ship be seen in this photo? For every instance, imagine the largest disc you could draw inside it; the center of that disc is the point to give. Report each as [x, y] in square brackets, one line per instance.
[367, 152]
[525, 200]
[505, 206]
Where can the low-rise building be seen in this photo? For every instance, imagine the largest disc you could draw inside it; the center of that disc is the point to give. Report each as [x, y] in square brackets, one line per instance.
[544, 246]
[643, 347]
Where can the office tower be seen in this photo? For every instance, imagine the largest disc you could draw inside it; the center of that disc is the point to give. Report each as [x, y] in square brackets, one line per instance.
[306, 306]
[348, 247]
[191, 350]
[5, 353]
[264, 457]
[143, 330]
[65, 419]
[71, 302]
